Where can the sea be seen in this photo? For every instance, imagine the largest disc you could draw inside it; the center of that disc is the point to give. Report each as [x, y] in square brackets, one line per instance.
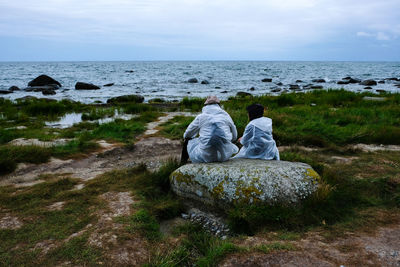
[169, 79]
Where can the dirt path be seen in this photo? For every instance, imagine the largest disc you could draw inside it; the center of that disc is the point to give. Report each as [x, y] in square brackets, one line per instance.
[152, 151]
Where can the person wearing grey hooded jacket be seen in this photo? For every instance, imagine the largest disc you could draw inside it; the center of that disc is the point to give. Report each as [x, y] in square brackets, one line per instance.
[257, 139]
[216, 133]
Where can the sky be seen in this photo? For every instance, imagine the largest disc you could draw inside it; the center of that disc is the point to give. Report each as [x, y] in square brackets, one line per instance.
[69, 30]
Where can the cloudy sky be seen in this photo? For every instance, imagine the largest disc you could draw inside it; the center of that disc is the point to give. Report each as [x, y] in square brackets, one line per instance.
[199, 30]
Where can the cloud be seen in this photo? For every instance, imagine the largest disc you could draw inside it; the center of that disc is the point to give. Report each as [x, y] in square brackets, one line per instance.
[234, 25]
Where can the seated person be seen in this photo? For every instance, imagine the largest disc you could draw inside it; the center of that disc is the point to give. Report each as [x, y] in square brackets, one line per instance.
[257, 139]
[216, 133]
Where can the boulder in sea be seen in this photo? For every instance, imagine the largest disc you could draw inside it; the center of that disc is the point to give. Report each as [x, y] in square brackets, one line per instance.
[243, 94]
[381, 81]
[266, 80]
[193, 80]
[380, 91]
[86, 86]
[42, 88]
[245, 181]
[368, 82]
[279, 83]
[48, 92]
[343, 82]
[205, 82]
[316, 87]
[43, 80]
[14, 88]
[368, 88]
[224, 92]
[5, 92]
[276, 90]
[129, 71]
[294, 87]
[108, 84]
[352, 80]
[318, 81]
[299, 81]
[252, 89]
[126, 99]
[392, 79]
[217, 87]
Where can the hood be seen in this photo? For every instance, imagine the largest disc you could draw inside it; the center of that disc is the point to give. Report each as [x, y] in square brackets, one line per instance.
[263, 123]
[213, 109]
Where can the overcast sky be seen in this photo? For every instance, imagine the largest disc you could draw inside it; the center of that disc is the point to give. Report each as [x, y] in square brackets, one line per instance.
[199, 30]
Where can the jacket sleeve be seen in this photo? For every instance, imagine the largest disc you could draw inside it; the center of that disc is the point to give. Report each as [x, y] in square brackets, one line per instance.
[233, 129]
[247, 135]
[193, 128]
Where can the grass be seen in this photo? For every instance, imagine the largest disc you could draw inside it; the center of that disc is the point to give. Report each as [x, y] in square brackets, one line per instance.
[174, 128]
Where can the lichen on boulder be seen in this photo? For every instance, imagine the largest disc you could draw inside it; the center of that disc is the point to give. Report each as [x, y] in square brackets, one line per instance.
[245, 181]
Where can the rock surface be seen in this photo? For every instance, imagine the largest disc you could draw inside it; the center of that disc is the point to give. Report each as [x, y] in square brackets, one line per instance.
[43, 80]
[245, 181]
[126, 98]
[86, 86]
[193, 80]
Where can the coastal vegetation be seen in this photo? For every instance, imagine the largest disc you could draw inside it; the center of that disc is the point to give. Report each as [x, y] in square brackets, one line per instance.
[361, 189]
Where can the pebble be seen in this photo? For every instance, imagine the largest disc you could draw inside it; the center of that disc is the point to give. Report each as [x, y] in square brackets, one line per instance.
[210, 222]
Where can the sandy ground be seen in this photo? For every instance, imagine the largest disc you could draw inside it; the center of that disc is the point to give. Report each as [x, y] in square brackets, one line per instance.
[378, 248]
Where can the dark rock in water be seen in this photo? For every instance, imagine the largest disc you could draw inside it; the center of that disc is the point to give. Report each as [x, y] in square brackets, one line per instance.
[368, 82]
[343, 82]
[217, 87]
[276, 90]
[192, 80]
[5, 92]
[266, 80]
[380, 91]
[224, 92]
[188, 93]
[205, 82]
[243, 94]
[48, 92]
[299, 81]
[392, 79]
[382, 81]
[86, 86]
[368, 88]
[354, 80]
[308, 86]
[14, 88]
[129, 71]
[126, 99]
[41, 88]
[318, 81]
[316, 87]
[279, 83]
[108, 84]
[252, 89]
[294, 87]
[346, 78]
[43, 80]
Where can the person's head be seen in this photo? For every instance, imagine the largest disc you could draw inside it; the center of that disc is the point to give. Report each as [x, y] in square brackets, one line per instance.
[212, 99]
[255, 111]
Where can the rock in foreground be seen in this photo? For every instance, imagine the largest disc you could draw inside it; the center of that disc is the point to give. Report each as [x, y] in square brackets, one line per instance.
[245, 181]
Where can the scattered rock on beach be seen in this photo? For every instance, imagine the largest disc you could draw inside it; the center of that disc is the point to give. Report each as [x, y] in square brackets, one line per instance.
[43, 80]
[243, 94]
[205, 82]
[266, 80]
[193, 80]
[318, 81]
[368, 82]
[48, 92]
[14, 88]
[86, 86]
[126, 98]
[245, 181]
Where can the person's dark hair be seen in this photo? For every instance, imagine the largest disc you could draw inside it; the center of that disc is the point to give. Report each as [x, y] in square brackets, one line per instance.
[255, 111]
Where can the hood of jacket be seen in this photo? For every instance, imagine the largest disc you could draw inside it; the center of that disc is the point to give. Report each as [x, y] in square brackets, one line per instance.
[263, 123]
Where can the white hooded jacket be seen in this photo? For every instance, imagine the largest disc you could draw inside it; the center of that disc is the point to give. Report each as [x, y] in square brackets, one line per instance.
[257, 141]
[216, 130]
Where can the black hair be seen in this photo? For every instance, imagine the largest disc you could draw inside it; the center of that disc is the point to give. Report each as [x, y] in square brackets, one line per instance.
[255, 111]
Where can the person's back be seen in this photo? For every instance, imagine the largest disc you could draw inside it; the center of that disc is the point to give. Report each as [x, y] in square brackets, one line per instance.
[257, 139]
[216, 132]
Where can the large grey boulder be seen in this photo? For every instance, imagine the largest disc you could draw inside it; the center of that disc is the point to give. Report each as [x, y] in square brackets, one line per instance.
[245, 181]
[43, 80]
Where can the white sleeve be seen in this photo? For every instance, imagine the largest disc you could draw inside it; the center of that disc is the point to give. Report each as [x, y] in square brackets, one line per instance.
[193, 128]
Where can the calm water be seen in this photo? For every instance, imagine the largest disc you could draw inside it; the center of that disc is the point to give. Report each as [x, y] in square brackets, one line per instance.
[168, 79]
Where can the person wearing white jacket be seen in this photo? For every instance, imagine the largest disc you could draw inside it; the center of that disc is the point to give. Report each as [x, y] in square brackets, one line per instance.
[257, 139]
[216, 133]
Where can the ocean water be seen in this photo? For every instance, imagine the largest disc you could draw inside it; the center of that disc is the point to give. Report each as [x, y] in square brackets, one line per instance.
[168, 79]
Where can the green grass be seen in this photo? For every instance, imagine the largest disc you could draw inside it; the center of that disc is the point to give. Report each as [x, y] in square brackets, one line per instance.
[174, 128]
